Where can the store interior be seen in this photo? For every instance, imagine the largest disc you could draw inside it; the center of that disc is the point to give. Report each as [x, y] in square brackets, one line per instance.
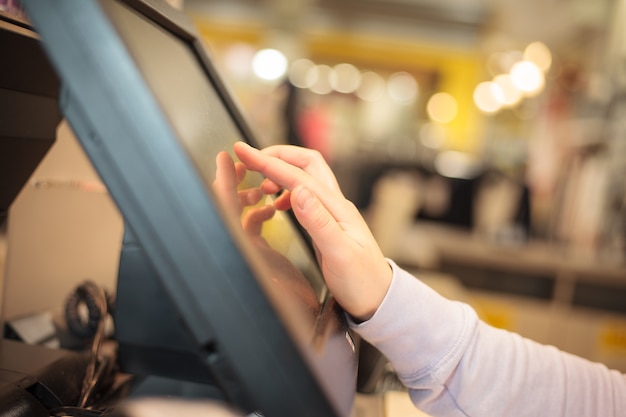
[393, 83]
[484, 141]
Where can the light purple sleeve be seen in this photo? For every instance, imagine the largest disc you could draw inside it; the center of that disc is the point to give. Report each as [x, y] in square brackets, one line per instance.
[456, 365]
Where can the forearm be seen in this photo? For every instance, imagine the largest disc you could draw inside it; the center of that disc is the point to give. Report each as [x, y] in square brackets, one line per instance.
[456, 365]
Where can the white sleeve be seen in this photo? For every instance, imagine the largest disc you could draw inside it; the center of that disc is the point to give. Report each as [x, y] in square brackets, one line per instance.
[456, 365]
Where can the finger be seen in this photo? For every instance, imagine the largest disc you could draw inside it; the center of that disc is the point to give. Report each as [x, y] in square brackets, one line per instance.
[290, 176]
[309, 160]
[225, 183]
[279, 172]
[309, 169]
[241, 171]
[316, 220]
[250, 196]
[270, 187]
[254, 218]
[283, 201]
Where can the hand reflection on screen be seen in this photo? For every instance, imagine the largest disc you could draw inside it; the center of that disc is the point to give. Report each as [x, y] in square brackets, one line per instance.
[254, 208]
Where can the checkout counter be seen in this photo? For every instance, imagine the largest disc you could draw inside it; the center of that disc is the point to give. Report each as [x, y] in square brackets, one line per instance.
[35, 378]
[29, 117]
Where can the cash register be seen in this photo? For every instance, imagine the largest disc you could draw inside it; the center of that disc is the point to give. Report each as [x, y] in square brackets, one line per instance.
[33, 379]
[203, 307]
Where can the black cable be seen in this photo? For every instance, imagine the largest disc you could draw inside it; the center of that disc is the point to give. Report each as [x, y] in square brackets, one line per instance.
[94, 368]
[87, 295]
[95, 299]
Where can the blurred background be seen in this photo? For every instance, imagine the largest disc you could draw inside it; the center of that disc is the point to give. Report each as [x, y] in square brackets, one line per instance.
[521, 101]
[484, 141]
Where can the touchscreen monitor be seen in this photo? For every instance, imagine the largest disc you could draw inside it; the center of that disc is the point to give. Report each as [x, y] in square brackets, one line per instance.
[245, 300]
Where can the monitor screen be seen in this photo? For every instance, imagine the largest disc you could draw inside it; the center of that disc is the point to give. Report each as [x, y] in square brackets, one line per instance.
[249, 301]
[201, 121]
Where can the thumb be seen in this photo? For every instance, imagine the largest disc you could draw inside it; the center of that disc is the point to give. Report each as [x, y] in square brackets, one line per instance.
[315, 218]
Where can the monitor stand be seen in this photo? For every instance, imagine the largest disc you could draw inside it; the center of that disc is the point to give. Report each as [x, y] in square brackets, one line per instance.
[152, 343]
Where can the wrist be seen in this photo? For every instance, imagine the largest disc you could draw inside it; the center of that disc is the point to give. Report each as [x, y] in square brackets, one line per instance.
[373, 296]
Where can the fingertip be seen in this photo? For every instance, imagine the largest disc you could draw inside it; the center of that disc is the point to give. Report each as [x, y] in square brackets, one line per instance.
[241, 171]
[251, 196]
[283, 201]
[270, 187]
[240, 147]
[243, 146]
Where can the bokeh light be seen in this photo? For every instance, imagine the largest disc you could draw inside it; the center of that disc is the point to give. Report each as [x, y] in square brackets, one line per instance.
[302, 73]
[238, 60]
[488, 97]
[321, 77]
[528, 77]
[402, 88]
[269, 64]
[511, 95]
[539, 54]
[345, 78]
[372, 87]
[442, 108]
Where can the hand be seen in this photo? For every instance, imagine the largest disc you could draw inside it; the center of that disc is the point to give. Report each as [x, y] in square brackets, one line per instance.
[353, 265]
[228, 176]
[249, 206]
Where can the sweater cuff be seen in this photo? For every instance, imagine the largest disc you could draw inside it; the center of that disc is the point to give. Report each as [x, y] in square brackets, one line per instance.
[422, 334]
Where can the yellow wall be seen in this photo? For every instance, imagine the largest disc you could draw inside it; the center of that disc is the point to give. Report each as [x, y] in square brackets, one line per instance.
[459, 69]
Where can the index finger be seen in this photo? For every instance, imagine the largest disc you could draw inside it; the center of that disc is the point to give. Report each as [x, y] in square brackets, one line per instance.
[288, 166]
[309, 160]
